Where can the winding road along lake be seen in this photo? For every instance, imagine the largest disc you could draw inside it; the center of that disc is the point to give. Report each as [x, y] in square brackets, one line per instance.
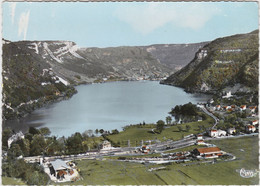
[111, 106]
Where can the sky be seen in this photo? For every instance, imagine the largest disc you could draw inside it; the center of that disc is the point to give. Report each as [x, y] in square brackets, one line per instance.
[105, 24]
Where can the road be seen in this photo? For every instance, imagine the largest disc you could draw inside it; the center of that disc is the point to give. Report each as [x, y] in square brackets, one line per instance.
[160, 147]
[210, 114]
[227, 137]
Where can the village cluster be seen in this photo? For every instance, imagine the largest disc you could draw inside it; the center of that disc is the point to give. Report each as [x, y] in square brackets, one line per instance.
[199, 154]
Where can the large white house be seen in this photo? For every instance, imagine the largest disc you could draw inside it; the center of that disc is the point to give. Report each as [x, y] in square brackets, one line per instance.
[15, 138]
[106, 145]
[217, 133]
[228, 95]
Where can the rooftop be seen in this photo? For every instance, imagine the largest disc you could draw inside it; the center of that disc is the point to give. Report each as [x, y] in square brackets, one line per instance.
[59, 164]
[209, 149]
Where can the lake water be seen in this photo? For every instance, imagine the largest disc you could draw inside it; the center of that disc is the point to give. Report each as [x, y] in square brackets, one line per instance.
[111, 106]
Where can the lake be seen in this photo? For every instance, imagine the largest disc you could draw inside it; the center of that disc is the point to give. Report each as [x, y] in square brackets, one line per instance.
[110, 106]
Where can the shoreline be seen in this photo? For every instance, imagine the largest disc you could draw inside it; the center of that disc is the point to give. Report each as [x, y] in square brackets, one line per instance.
[22, 120]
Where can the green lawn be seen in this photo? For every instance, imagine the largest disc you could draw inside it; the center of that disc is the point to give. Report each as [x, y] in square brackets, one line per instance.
[12, 181]
[114, 172]
[136, 134]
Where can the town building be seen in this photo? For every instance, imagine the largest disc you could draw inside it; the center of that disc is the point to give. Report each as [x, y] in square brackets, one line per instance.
[226, 108]
[202, 54]
[213, 133]
[61, 171]
[228, 95]
[200, 137]
[200, 142]
[231, 131]
[243, 107]
[106, 145]
[218, 107]
[255, 122]
[217, 133]
[208, 152]
[250, 128]
[252, 109]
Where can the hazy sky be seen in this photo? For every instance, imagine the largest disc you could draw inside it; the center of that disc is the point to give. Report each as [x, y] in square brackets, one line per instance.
[136, 23]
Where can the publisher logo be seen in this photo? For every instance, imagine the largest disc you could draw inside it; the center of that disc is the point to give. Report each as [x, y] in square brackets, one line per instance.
[247, 173]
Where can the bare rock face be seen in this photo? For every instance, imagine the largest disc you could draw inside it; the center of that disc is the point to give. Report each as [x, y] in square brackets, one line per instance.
[175, 56]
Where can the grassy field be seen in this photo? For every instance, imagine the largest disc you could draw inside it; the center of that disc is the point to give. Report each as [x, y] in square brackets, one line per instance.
[11, 181]
[115, 172]
[136, 134]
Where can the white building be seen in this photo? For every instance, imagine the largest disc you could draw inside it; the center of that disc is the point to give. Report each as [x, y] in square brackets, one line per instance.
[61, 171]
[250, 128]
[217, 133]
[255, 122]
[106, 145]
[243, 107]
[228, 95]
[231, 131]
[200, 137]
[202, 54]
[15, 138]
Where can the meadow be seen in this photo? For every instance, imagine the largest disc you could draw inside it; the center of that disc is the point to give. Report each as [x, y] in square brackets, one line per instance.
[109, 171]
[137, 133]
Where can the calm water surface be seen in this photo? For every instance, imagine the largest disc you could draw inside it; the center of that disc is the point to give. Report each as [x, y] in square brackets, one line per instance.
[111, 106]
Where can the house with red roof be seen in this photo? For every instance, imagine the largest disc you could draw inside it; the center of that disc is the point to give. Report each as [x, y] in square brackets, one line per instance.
[252, 109]
[243, 107]
[255, 122]
[217, 133]
[218, 107]
[250, 128]
[227, 107]
[200, 142]
[208, 152]
[213, 133]
[199, 137]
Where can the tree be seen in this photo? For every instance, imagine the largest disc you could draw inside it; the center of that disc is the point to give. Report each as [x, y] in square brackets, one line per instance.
[24, 145]
[38, 178]
[7, 133]
[180, 128]
[33, 131]
[45, 131]
[101, 131]
[168, 120]
[14, 151]
[160, 125]
[38, 145]
[53, 147]
[96, 131]
[187, 128]
[90, 132]
[74, 144]
[115, 131]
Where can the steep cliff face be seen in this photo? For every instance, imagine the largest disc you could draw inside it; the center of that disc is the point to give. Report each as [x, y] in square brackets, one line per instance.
[225, 62]
[175, 56]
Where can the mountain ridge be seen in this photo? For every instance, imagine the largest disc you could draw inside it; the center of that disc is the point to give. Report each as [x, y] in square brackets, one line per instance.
[222, 63]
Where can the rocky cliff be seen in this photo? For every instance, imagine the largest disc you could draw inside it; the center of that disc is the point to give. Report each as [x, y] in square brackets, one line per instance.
[175, 56]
